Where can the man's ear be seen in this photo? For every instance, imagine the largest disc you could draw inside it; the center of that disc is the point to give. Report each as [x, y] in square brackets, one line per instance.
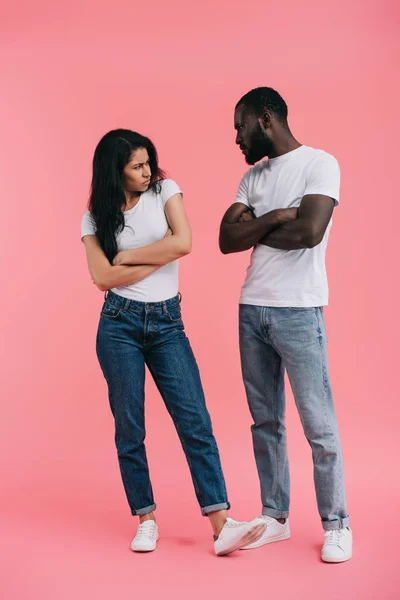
[265, 121]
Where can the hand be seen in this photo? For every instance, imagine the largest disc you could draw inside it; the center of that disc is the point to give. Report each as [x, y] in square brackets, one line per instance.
[119, 259]
[247, 215]
[286, 215]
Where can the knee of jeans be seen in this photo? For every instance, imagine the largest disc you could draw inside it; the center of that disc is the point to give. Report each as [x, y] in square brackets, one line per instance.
[128, 436]
[324, 447]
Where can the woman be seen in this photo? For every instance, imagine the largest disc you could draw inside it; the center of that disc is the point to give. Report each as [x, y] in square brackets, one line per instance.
[135, 231]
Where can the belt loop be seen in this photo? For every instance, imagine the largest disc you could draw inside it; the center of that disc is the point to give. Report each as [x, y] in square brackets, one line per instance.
[127, 303]
[105, 295]
[164, 308]
[179, 297]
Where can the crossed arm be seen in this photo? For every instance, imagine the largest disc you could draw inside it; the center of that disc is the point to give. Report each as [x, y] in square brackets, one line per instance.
[285, 229]
[132, 266]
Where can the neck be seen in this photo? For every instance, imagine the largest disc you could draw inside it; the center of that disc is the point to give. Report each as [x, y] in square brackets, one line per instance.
[284, 143]
[131, 199]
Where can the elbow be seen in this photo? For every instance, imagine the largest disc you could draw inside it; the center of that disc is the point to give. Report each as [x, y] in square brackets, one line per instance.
[224, 245]
[184, 248]
[312, 238]
[311, 242]
[102, 286]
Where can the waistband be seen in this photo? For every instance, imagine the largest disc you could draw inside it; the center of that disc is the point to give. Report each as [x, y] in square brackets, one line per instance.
[128, 304]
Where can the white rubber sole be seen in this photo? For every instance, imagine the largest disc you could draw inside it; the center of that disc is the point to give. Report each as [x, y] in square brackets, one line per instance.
[278, 538]
[249, 537]
[336, 560]
[144, 549]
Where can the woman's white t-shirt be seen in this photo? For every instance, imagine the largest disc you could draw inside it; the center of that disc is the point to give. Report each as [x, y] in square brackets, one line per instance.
[145, 224]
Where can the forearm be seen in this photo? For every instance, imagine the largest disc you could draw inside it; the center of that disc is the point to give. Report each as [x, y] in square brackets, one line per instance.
[160, 253]
[296, 235]
[240, 236]
[123, 275]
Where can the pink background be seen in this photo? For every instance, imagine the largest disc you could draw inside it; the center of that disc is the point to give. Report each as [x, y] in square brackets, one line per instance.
[174, 71]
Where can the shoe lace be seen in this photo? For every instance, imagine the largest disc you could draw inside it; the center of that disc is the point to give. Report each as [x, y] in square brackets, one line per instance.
[233, 523]
[334, 537]
[146, 529]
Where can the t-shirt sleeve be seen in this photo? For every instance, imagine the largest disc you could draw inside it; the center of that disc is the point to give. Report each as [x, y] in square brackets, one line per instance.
[323, 177]
[88, 226]
[243, 191]
[168, 189]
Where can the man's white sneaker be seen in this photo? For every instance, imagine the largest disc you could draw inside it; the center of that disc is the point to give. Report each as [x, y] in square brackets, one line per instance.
[338, 546]
[237, 534]
[275, 532]
[146, 537]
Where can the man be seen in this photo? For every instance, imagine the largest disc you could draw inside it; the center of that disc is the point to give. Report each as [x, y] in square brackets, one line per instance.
[283, 209]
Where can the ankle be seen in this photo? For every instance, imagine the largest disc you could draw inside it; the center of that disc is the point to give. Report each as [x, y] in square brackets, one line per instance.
[218, 520]
[148, 517]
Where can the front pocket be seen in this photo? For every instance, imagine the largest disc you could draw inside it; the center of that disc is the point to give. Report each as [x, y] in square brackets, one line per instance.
[110, 312]
[174, 313]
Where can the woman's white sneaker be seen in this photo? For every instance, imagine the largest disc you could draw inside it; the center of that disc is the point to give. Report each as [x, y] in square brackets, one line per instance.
[237, 534]
[338, 546]
[275, 532]
[146, 537]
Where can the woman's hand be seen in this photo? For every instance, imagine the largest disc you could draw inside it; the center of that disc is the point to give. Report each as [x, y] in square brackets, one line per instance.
[119, 258]
[123, 257]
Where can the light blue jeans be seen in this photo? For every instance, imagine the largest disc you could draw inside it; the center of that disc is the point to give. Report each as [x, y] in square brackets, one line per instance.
[272, 340]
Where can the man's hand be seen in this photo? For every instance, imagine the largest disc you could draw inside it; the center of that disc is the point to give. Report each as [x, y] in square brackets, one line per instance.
[286, 215]
[247, 215]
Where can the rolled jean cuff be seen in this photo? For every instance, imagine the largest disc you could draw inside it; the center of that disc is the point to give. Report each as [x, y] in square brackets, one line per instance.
[276, 514]
[144, 511]
[337, 524]
[205, 510]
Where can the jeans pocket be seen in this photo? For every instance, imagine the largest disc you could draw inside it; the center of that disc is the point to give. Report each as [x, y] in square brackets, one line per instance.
[109, 311]
[174, 313]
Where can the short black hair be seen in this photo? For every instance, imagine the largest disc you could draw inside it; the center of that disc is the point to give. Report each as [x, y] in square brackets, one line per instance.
[265, 98]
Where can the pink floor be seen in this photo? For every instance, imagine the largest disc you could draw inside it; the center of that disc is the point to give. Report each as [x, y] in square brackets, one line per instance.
[69, 539]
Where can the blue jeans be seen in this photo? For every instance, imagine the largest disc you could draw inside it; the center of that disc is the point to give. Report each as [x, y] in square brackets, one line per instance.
[272, 340]
[134, 334]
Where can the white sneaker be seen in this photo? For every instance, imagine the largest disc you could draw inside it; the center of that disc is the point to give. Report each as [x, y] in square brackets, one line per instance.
[338, 546]
[146, 537]
[275, 532]
[235, 535]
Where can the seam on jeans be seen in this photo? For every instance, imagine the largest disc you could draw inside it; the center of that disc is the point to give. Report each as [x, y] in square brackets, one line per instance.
[278, 492]
[325, 384]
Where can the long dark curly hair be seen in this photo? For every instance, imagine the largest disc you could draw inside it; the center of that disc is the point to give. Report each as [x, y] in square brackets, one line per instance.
[107, 196]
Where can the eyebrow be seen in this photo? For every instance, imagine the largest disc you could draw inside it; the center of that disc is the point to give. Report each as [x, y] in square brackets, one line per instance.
[139, 164]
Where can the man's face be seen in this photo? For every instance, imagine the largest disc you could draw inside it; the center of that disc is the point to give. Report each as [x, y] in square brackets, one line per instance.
[252, 140]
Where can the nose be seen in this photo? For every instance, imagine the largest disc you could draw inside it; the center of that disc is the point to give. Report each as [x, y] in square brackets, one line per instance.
[238, 138]
[147, 170]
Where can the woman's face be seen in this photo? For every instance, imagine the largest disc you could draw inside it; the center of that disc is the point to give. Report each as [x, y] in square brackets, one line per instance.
[137, 172]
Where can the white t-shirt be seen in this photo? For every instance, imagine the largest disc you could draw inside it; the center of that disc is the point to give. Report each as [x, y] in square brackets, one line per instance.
[291, 278]
[145, 224]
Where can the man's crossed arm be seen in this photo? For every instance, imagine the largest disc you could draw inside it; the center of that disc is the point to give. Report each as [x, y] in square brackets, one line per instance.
[283, 228]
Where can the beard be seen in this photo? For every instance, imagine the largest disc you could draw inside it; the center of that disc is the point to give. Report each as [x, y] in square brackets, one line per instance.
[261, 146]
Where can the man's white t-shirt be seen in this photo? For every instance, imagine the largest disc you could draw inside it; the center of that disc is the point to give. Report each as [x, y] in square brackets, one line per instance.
[145, 224]
[288, 278]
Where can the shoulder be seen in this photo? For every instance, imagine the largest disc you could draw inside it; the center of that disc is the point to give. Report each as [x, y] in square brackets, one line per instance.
[168, 188]
[88, 224]
[317, 156]
[169, 184]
